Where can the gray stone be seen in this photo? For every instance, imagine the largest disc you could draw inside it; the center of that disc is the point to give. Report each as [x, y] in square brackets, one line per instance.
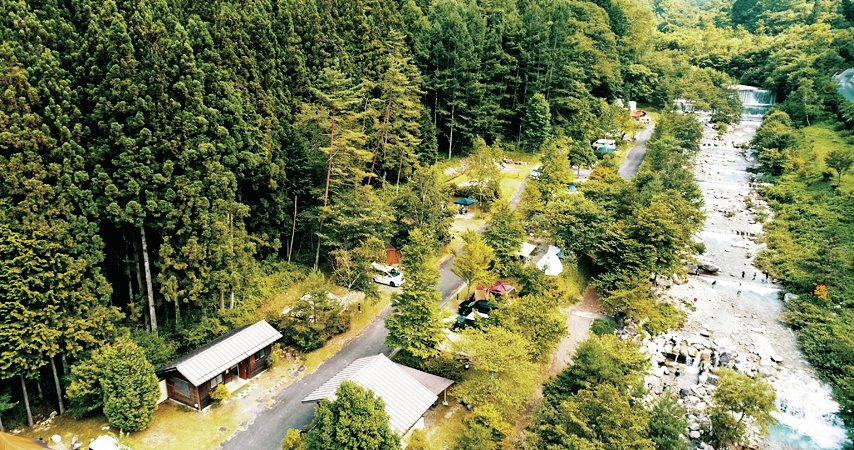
[709, 268]
[694, 434]
[694, 426]
[788, 296]
[713, 380]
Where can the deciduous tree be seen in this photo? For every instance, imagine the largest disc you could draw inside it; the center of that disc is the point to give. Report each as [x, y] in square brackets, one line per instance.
[356, 420]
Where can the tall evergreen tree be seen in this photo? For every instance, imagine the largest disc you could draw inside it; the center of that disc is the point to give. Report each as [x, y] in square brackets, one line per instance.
[130, 387]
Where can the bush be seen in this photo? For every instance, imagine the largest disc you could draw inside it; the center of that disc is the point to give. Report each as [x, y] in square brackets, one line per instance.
[662, 318]
[220, 393]
[700, 247]
[602, 326]
[828, 174]
[275, 354]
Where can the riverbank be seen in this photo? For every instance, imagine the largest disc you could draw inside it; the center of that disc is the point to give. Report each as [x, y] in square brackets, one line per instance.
[737, 313]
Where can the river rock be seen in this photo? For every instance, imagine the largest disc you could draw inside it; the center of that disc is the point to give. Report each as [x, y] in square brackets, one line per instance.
[764, 371]
[709, 268]
[694, 434]
[713, 379]
[694, 426]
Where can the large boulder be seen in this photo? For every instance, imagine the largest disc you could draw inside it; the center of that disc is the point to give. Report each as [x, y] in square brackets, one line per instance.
[709, 268]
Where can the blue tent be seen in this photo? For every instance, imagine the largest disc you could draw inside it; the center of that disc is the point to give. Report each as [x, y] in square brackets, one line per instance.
[465, 201]
[570, 187]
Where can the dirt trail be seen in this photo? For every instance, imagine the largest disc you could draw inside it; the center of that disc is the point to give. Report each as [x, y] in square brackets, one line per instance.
[579, 317]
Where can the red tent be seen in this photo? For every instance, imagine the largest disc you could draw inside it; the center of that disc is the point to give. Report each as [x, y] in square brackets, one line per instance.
[392, 256]
[501, 288]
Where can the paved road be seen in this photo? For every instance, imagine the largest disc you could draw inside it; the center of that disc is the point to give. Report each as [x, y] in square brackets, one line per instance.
[846, 84]
[635, 157]
[270, 426]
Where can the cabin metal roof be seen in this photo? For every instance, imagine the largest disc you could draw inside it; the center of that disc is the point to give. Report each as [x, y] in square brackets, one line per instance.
[406, 399]
[223, 352]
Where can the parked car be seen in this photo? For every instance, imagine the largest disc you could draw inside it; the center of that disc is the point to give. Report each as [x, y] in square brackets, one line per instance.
[387, 275]
[482, 306]
[535, 172]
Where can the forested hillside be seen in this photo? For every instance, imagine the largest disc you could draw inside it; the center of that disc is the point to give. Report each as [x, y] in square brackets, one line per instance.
[162, 162]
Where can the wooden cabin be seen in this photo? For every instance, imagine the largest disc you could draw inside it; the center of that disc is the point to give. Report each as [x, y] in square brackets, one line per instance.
[230, 359]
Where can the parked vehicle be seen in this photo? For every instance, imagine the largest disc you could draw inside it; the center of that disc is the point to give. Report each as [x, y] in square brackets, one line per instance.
[387, 275]
[535, 172]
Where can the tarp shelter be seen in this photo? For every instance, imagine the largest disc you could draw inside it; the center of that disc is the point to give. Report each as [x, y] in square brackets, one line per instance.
[465, 201]
[12, 442]
[556, 251]
[406, 398]
[479, 293]
[570, 187]
[105, 442]
[550, 264]
[501, 288]
[392, 256]
[526, 250]
[605, 145]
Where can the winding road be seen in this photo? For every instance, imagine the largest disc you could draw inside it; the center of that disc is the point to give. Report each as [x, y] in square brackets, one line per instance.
[271, 425]
[636, 155]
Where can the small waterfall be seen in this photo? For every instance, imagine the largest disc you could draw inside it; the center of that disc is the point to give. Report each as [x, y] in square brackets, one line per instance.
[806, 413]
[756, 101]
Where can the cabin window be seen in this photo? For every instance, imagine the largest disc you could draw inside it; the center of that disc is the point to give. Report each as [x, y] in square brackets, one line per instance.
[181, 387]
[260, 354]
[217, 380]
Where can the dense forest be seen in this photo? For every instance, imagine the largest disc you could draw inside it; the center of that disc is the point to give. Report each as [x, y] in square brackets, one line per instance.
[158, 159]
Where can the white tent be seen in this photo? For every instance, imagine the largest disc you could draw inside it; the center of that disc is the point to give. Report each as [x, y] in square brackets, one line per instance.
[105, 442]
[526, 250]
[550, 264]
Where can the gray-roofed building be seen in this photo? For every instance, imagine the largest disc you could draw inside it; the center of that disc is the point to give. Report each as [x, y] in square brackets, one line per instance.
[238, 355]
[406, 392]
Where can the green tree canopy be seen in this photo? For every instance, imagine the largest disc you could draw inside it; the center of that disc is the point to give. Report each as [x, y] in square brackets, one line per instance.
[356, 420]
[129, 386]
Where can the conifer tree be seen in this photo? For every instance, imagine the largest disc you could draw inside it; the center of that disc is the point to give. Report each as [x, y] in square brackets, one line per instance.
[130, 387]
[536, 124]
[415, 325]
[504, 233]
[473, 266]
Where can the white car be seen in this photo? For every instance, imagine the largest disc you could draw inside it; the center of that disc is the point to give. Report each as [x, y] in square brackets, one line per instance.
[535, 172]
[387, 275]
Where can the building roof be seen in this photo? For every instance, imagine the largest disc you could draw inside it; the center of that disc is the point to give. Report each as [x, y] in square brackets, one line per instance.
[223, 352]
[406, 399]
[435, 384]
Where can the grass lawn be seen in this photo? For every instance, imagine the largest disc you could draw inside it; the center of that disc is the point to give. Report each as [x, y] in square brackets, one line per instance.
[814, 144]
[172, 428]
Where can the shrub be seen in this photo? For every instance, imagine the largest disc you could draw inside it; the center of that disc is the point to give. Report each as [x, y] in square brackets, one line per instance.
[700, 247]
[663, 317]
[602, 326]
[275, 354]
[220, 393]
[828, 174]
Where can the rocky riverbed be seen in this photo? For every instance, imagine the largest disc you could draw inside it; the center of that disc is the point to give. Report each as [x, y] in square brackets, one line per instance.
[734, 314]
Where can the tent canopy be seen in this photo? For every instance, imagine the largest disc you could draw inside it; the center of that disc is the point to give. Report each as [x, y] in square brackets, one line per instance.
[12, 442]
[465, 201]
[526, 249]
[501, 287]
[105, 442]
[550, 264]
